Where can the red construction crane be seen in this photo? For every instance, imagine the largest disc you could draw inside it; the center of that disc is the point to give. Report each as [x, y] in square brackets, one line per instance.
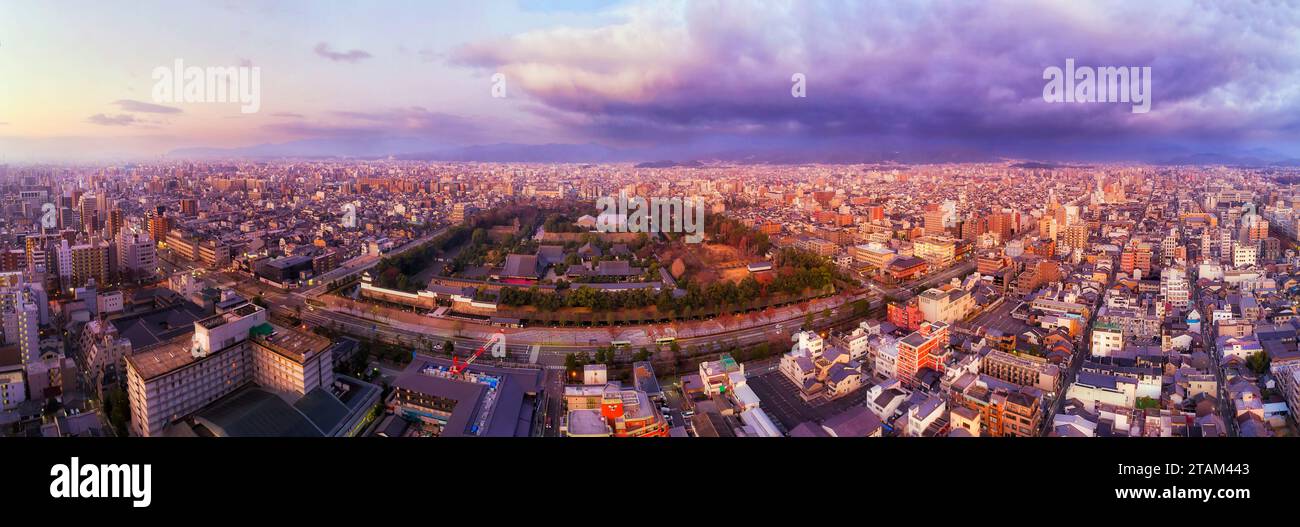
[457, 368]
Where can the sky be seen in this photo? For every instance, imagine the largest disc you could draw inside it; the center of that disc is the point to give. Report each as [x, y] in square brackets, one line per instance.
[664, 79]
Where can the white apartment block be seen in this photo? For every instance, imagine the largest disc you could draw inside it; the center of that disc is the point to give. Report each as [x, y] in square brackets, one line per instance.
[1244, 255]
[1107, 340]
[136, 252]
[174, 379]
[1175, 287]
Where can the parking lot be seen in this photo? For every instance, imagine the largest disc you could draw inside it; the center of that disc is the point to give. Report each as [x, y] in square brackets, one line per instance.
[781, 401]
[1000, 318]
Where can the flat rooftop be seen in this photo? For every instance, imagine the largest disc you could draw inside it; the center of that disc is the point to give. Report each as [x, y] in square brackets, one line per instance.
[294, 344]
[468, 396]
[587, 422]
[229, 316]
[159, 325]
[163, 357]
[510, 416]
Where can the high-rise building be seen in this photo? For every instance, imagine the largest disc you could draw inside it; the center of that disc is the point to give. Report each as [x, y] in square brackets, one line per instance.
[173, 379]
[115, 223]
[78, 264]
[1255, 227]
[1174, 286]
[28, 334]
[921, 349]
[136, 254]
[934, 219]
[159, 224]
[1076, 236]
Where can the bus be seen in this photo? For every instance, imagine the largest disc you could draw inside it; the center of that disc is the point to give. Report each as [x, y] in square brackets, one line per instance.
[620, 344]
[665, 340]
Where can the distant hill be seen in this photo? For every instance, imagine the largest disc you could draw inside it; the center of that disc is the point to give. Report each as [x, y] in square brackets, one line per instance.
[1206, 158]
[669, 164]
[665, 156]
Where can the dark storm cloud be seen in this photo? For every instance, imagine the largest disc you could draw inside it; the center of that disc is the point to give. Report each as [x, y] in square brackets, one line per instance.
[964, 71]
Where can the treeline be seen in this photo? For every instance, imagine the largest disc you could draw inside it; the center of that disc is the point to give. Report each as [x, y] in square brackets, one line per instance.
[394, 272]
[559, 222]
[797, 272]
[732, 232]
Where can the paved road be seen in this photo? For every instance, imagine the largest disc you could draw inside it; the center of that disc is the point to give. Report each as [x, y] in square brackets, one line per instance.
[550, 354]
[1081, 353]
[1210, 336]
[780, 399]
[960, 269]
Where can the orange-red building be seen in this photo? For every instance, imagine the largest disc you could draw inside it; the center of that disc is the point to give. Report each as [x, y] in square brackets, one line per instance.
[921, 349]
[907, 316]
[622, 412]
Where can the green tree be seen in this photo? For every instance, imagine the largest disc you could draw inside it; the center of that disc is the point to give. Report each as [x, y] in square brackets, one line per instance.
[1258, 362]
[119, 412]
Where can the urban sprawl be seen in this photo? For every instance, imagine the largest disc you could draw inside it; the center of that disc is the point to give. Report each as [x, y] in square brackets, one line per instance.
[404, 298]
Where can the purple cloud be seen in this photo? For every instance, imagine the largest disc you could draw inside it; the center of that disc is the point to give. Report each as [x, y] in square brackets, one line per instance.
[128, 105]
[966, 72]
[411, 122]
[121, 119]
[354, 55]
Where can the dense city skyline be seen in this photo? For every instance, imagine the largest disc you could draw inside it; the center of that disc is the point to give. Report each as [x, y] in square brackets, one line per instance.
[430, 258]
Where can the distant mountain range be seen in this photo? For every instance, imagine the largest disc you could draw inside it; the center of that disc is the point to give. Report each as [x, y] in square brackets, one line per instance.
[669, 164]
[677, 156]
[1231, 160]
[647, 157]
[418, 149]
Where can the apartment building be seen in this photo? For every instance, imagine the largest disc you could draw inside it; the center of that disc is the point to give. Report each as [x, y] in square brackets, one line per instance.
[175, 378]
[1174, 287]
[948, 304]
[1023, 370]
[78, 264]
[938, 251]
[102, 350]
[875, 255]
[1093, 388]
[921, 349]
[1245, 254]
[136, 253]
[1107, 339]
[1003, 409]
[1288, 380]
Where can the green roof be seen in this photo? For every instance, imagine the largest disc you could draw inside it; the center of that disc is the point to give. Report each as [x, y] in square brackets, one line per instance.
[261, 329]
